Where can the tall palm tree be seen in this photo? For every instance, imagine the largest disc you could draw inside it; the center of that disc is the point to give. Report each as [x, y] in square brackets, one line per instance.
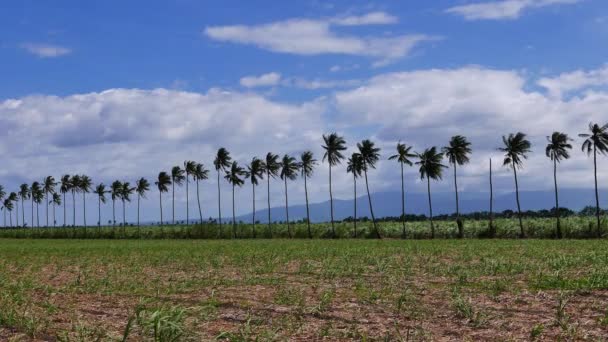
[48, 186]
[307, 165]
[200, 173]
[13, 198]
[189, 168]
[597, 141]
[100, 191]
[8, 207]
[370, 154]
[141, 187]
[115, 193]
[84, 186]
[271, 166]
[556, 150]
[289, 170]
[403, 158]
[233, 176]
[65, 187]
[2, 194]
[516, 149]
[334, 145]
[458, 152]
[354, 165]
[177, 178]
[125, 196]
[24, 194]
[162, 184]
[255, 171]
[56, 200]
[221, 162]
[75, 187]
[430, 168]
[37, 197]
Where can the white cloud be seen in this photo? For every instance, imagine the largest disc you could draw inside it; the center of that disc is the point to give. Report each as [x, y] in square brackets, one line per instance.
[265, 80]
[575, 80]
[314, 37]
[372, 18]
[46, 50]
[503, 9]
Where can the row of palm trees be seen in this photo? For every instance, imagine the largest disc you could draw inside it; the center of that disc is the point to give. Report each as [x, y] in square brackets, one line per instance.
[516, 148]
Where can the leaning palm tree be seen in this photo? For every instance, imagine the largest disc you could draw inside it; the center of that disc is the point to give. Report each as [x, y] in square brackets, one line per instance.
[334, 145]
[430, 168]
[516, 149]
[65, 187]
[221, 162]
[100, 191]
[125, 196]
[556, 150]
[354, 165]
[115, 192]
[403, 158]
[48, 185]
[271, 166]
[289, 170]
[56, 200]
[163, 182]
[141, 187]
[233, 176]
[200, 173]
[8, 207]
[177, 178]
[597, 141]
[458, 152]
[36, 194]
[24, 194]
[370, 154]
[307, 165]
[189, 168]
[75, 187]
[255, 171]
[84, 186]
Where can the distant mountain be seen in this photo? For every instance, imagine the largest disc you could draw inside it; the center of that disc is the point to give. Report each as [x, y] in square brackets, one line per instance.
[389, 204]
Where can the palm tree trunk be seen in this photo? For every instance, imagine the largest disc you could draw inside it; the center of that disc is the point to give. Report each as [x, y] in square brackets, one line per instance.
[597, 198]
[74, 205]
[233, 214]
[138, 227]
[22, 212]
[37, 216]
[173, 190]
[65, 223]
[160, 201]
[54, 218]
[114, 213]
[371, 209]
[558, 226]
[32, 211]
[458, 220]
[331, 205]
[99, 213]
[187, 202]
[428, 185]
[287, 209]
[307, 209]
[10, 218]
[17, 213]
[198, 199]
[84, 210]
[219, 201]
[355, 204]
[402, 202]
[47, 208]
[521, 225]
[268, 198]
[253, 219]
[124, 219]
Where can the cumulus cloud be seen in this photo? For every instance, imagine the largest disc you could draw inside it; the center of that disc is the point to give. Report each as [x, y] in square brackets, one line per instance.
[46, 50]
[501, 10]
[265, 80]
[575, 80]
[372, 18]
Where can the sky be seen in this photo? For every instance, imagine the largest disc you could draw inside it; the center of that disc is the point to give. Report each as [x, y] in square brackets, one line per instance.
[120, 90]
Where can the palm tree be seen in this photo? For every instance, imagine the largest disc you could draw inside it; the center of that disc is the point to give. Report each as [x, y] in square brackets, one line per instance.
[430, 168]
[200, 173]
[233, 176]
[49, 188]
[56, 200]
[162, 184]
[8, 206]
[115, 193]
[177, 178]
[307, 165]
[354, 165]
[141, 187]
[24, 194]
[289, 170]
[125, 196]
[271, 166]
[221, 162]
[37, 197]
[369, 156]
[75, 187]
[84, 186]
[255, 171]
[66, 185]
[334, 145]
[100, 191]
[597, 141]
[557, 149]
[189, 168]
[515, 150]
[2, 194]
[458, 153]
[403, 158]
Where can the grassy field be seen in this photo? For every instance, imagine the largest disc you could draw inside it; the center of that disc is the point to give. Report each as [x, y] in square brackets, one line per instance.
[172, 290]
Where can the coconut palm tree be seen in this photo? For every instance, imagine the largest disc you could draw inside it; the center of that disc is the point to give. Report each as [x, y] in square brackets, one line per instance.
[307, 165]
[100, 191]
[334, 145]
[271, 166]
[516, 149]
[221, 162]
[141, 187]
[189, 168]
[177, 178]
[24, 194]
[37, 197]
[8, 207]
[125, 196]
[65, 187]
[430, 168]
[84, 186]
[403, 158]
[556, 150]
[234, 177]
[369, 156]
[162, 184]
[115, 193]
[56, 200]
[75, 187]
[48, 185]
[2, 194]
[255, 171]
[200, 173]
[12, 198]
[354, 165]
[596, 140]
[458, 152]
[289, 170]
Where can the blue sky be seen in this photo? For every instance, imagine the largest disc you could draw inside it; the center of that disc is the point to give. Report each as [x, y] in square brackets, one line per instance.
[122, 89]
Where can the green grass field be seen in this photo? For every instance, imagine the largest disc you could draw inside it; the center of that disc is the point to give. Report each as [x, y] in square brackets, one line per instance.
[192, 290]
